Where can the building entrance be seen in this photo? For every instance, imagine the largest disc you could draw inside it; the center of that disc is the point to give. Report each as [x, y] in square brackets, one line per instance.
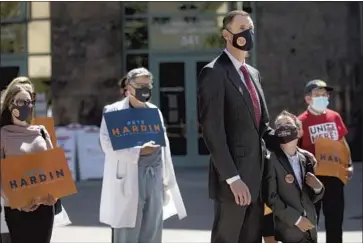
[175, 93]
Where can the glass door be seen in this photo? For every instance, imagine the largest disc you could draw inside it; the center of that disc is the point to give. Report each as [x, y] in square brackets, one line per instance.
[170, 95]
[175, 93]
[10, 69]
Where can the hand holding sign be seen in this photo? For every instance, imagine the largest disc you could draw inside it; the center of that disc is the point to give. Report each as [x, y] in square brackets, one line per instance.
[32, 206]
[150, 144]
[49, 200]
[149, 148]
[350, 171]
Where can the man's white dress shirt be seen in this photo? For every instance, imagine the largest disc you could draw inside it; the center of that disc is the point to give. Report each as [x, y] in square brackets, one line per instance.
[237, 64]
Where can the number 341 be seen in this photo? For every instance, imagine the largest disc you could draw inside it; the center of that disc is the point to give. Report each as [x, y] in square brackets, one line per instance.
[189, 40]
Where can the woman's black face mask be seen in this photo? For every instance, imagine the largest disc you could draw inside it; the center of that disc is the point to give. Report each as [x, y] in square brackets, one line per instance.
[142, 94]
[23, 111]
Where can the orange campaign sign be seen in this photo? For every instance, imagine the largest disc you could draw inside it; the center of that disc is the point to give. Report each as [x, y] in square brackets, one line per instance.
[48, 123]
[332, 157]
[33, 176]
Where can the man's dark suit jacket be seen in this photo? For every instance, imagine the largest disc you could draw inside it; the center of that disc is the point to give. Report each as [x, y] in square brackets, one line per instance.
[289, 201]
[235, 142]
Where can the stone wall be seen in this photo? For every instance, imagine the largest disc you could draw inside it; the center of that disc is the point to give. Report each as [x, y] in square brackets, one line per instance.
[296, 42]
[300, 41]
[86, 59]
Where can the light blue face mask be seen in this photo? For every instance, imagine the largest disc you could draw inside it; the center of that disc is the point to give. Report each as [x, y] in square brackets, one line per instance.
[320, 103]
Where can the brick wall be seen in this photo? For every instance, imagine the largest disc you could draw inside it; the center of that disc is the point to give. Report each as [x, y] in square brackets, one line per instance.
[299, 41]
[86, 59]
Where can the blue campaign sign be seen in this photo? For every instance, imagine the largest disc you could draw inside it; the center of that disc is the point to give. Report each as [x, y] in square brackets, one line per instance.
[134, 127]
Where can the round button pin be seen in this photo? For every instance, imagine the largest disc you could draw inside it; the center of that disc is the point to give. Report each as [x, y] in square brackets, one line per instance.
[289, 178]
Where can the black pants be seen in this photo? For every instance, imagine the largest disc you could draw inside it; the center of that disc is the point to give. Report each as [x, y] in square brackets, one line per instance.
[237, 224]
[30, 227]
[268, 225]
[5, 238]
[333, 208]
[304, 241]
[112, 235]
[307, 239]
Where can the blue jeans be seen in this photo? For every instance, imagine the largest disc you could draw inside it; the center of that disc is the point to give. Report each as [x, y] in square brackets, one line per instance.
[149, 219]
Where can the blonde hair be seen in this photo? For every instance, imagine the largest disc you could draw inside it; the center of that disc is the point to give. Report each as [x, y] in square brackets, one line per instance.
[18, 84]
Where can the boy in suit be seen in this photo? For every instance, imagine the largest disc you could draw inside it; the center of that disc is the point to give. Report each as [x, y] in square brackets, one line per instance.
[290, 186]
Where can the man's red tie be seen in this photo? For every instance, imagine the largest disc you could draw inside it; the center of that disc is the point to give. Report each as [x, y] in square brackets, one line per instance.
[253, 93]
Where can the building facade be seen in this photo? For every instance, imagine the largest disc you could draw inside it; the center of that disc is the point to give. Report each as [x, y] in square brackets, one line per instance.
[77, 52]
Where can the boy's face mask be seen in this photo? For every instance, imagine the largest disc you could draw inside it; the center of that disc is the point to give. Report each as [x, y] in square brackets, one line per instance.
[286, 133]
[320, 103]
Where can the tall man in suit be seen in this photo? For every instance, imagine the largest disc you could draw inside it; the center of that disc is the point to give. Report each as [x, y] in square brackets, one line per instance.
[234, 120]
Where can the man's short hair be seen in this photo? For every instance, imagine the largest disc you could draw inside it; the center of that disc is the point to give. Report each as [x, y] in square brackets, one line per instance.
[227, 20]
[284, 114]
[138, 72]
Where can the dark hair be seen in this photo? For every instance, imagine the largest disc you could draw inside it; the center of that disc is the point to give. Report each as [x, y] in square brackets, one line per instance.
[227, 20]
[122, 85]
[310, 93]
[284, 114]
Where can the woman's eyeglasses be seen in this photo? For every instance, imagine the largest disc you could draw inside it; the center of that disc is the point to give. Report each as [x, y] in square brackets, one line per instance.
[139, 86]
[21, 102]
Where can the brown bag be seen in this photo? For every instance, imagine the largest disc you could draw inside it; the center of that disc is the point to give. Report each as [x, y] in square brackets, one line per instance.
[333, 158]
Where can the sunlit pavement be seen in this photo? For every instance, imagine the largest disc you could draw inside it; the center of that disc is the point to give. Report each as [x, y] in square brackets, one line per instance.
[98, 235]
[83, 211]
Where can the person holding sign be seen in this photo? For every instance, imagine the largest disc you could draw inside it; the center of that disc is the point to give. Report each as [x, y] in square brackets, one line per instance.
[290, 187]
[139, 187]
[34, 222]
[320, 122]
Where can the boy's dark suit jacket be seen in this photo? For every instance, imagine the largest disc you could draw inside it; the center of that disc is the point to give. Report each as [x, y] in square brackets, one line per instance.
[287, 200]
